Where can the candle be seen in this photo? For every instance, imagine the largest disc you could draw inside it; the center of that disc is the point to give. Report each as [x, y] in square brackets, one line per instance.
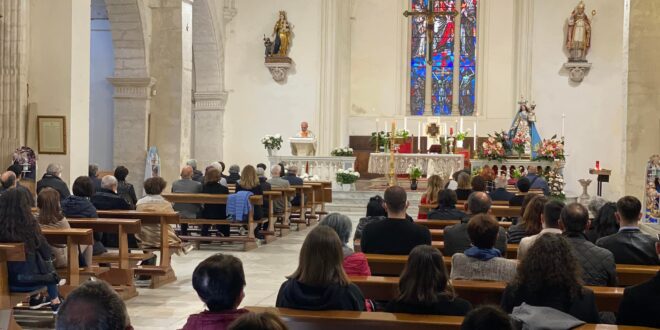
[563, 118]
[444, 129]
[474, 140]
[419, 137]
[405, 123]
[461, 127]
[597, 165]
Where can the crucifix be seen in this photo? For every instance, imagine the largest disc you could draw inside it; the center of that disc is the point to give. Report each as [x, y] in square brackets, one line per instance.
[430, 16]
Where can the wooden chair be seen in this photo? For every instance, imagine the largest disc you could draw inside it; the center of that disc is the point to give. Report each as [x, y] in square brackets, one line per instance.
[120, 275]
[162, 273]
[249, 242]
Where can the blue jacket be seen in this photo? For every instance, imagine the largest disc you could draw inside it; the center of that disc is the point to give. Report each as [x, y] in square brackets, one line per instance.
[238, 205]
[538, 182]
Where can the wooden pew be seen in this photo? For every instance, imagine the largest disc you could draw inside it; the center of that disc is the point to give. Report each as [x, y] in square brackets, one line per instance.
[503, 211]
[511, 249]
[634, 274]
[72, 238]
[299, 213]
[476, 292]
[285, 215]
[249, 242]
[325, 320]
[121, 276]
[8, 300]
[162, 273]
[441, 224]
[315, 200]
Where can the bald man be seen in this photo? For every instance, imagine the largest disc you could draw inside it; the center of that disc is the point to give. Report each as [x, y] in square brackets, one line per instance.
[304, 131]
[8, 180]
[189, 186]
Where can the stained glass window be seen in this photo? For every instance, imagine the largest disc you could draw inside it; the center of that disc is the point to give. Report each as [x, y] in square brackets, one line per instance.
[445, 70]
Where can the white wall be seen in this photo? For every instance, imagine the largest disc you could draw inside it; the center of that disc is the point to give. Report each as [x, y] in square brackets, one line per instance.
[258, 105]
[101, 105]
[595, 109]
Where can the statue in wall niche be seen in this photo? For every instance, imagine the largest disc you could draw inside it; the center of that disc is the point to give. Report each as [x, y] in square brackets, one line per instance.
[277, 50]
[282, 34]
[578, 34]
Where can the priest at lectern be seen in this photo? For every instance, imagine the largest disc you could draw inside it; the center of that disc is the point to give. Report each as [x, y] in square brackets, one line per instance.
[304, 144]
[304, 131]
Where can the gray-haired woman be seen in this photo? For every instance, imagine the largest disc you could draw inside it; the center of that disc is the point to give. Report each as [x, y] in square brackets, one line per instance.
[355, 264]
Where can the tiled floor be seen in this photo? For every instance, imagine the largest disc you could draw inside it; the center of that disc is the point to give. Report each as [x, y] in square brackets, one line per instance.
[265, 268]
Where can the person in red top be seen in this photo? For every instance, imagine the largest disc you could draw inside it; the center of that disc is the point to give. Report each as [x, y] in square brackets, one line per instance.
[219, 281]
[355, 263]
[434, 186]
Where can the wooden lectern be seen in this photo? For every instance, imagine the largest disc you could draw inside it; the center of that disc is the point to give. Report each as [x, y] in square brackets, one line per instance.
[303, 146]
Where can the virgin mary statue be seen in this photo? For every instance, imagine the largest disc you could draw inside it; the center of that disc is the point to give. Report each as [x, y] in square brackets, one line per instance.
[525, 121]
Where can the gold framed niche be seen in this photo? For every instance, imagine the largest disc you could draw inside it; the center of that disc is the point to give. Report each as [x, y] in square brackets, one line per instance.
[51, 135]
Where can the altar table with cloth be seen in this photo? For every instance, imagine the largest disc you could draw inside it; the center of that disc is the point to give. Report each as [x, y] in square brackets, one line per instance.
[443, 165]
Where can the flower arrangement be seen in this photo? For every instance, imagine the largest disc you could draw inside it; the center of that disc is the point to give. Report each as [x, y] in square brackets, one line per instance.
[492, 148]
[309, 177]
[414, 171]
[556, 185]
[379, 139]
[348, 176]
[519, 142]
[460, 136]
[342, 152]
[402, 134]
[273, 142]
[551, 149]
[516, 174]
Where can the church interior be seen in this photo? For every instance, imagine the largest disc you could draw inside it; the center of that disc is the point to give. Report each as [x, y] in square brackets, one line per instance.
[229, 134]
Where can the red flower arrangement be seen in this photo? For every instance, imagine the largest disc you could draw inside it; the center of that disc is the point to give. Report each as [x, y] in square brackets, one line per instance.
[551, 149]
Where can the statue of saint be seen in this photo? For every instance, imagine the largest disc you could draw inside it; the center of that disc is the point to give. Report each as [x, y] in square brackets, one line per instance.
[282, 34]
[578, 34]
[525, 121]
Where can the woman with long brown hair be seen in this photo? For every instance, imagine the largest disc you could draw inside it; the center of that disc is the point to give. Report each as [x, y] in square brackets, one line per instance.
[530, 223]
[424, 286]
[320, 282]
[549, 276]
[435, 185]
[51, 217]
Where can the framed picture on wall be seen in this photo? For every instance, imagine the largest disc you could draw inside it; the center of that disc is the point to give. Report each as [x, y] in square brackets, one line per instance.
[51, 134]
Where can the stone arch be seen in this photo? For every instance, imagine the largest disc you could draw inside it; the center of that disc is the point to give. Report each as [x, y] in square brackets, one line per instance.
[129, 24]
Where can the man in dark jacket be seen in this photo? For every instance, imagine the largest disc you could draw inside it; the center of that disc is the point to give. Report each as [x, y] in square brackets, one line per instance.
[93, 173]
[197, 174]
[523, 189]
[106, 197]
[630, 245]
[294, 180]
[456, 237]
[640, 305]
[598, 267]
[53, 179]
[446, 207]
[500, 193]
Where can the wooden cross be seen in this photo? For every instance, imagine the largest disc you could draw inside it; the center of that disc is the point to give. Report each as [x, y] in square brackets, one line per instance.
[430, 16]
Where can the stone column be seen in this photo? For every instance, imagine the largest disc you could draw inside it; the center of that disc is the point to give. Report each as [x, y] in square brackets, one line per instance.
[132, 103]
[208, 114]
[13, 76]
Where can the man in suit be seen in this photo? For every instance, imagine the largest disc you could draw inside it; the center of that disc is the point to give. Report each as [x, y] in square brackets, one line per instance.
[640, 305]
[187, 186]
[106, 197]
[52, 178]
[456, 237]
[500, 193]
[294, 180]
[630, 245]
[276, 181]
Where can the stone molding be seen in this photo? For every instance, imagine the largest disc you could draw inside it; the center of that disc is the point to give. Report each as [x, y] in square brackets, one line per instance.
[132, 88]
[209, 101]
[229, 10]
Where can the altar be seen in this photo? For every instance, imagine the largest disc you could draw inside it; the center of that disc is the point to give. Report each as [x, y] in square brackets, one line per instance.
[443, 165]
[323, 167]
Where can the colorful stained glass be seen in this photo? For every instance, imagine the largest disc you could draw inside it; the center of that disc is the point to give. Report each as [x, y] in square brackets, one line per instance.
[418, 59]
[443, 78]
[468, 57]
[443, 58]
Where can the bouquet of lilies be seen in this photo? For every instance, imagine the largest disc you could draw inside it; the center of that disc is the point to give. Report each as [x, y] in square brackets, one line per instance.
[414, 171]
[342, 152]
[273, 142]
[348, 176]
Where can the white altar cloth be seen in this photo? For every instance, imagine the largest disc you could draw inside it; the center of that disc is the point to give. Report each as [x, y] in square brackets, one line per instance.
[443, 165]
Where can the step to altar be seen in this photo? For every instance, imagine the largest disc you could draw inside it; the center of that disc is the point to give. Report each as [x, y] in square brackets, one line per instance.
[356, 201]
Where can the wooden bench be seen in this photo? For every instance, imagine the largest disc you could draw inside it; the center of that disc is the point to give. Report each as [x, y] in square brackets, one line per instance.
[299, 213]
[441, 224]
[315, 200]
[120, 276]
[72, 238]
[8, 300]
[285, 215]
[162, 273]
[476, 292]
[511, 249]
[500, 211]
[249, 242]
[325, 320]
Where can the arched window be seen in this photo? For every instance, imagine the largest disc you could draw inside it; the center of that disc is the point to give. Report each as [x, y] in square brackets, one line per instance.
[440, 73]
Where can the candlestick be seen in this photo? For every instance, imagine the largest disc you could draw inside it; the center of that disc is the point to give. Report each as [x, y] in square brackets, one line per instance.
[419, 137]
[563, 118]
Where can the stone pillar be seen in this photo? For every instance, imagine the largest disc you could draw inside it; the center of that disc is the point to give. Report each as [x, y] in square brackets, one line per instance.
[208, 114]
[13, 76]
[132, 102]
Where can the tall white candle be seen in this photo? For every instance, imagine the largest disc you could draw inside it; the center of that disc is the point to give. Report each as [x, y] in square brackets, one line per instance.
[461, 127]
[419, 137]
[445, 130]
[563, 119]
[474, 139]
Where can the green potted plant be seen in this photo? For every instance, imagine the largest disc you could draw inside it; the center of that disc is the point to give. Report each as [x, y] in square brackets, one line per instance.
[415, 172]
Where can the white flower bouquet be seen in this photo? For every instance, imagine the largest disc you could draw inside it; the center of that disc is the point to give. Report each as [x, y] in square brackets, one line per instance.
[414, 171]
[273, 142]
[348, 176]
[310, 177]
[342, 152]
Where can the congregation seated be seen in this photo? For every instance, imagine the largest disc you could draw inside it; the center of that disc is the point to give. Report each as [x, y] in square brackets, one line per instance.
[219, 281]
[487, 317]
[93, 305]
[187, 185]
[549, 222]
[434, 187]
[294, 180]
[125, 190]
[536, 181]
[263, 180]
[320, 282]
[92, 172]
[523, 189]
[478, 184]
[424, 286]
[197, 175]
[375, 212]
[629, 245]
[79, 205]
[464, 186]
[249, 181]
[355, 263]
[446, 209]
[234, 174]
[106, 197]
[258, 321]
[276, 181]
[639, 305]
[530, 223]
[220, 166]
[53, 179]
[549, 276]
[394, 235]
[214, 211]
[598, 267]
[50, 217]
[456, 237]
[500, 193]
[604, 223]
[18, 225]
[149, 236]
[482, 261]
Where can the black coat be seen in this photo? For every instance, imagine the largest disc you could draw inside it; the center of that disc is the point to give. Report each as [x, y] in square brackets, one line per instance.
[294, 181]
[78, 207]
[198, 176]
[51, 181]
[214, 211]
[233, 178]
[517, 200]
[463, 194]
[444, 306]
[641, 305]
[34, 271]
[446, 213]
[598, 267]
[501, 194]
[631, 246]
[106, 199]
[296, 295]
